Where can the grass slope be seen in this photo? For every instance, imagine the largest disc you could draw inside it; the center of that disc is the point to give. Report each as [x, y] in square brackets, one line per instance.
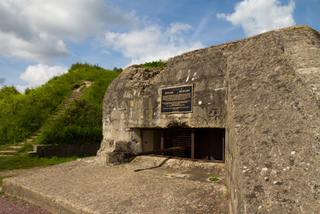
[21, 115]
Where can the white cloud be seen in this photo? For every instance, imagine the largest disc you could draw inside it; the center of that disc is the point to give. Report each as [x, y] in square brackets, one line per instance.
[152, 43]
[258, 16]
[21, 88]
[38, 30]
[178, 28]
[39, 74]
[105, 52]
[40, 50]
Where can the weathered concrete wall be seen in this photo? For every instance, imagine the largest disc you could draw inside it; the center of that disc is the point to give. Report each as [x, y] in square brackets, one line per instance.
[273, 122]
[264, 90]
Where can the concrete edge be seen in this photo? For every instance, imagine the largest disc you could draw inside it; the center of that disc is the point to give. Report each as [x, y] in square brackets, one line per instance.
[49, 203]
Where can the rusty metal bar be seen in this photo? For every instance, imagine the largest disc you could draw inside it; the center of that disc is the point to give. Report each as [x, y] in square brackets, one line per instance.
[192, 144]
[129, 155]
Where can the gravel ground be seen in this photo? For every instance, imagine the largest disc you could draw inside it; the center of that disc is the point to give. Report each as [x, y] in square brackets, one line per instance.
[11, 205]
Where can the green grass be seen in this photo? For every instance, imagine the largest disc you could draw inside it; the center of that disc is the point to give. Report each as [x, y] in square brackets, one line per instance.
[25, 161]
[26, 148]
[227, 189]
[213, 179]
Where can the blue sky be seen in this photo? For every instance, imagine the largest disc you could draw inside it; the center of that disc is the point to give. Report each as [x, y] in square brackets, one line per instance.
[42, 38]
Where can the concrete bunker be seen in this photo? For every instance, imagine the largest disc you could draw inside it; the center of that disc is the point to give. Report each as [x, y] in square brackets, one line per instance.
[262, 93]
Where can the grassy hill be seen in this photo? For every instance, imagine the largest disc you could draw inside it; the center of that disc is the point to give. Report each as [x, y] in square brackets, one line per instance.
[22, 115]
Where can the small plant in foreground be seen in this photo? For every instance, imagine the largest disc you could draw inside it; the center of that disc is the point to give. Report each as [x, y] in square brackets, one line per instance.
[227, 194]
[1, 192]
[213, 179]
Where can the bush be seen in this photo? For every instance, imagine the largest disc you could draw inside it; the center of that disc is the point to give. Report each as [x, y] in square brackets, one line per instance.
[6, 92]
[154, 64]
[81, 124]
[115, 69]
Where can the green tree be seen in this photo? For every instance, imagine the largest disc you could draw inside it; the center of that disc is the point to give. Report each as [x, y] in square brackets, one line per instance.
[7, 91]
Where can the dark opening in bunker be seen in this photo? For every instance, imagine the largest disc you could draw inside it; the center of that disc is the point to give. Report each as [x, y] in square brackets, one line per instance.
[196, 144]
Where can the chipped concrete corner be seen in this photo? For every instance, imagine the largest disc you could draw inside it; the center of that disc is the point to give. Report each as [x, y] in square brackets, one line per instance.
[264, 90]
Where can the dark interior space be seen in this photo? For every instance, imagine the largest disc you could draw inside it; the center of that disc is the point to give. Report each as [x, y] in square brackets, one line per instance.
[208, 143]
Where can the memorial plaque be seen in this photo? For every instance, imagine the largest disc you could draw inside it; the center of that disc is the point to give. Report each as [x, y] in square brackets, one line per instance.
[177, 99]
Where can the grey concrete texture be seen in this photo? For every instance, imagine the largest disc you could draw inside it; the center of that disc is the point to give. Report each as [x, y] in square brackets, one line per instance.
[147, 185]
[264, 90]
[273, 125]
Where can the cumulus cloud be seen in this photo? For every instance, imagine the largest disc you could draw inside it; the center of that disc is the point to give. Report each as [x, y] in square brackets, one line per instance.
[38, 30]
[258, 16]
[152, 42]
[36, 75]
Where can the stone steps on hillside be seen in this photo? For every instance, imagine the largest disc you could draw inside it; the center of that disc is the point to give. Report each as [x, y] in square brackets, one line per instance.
[12, 150]
[15, 147]
[8, 151]
[76, 94]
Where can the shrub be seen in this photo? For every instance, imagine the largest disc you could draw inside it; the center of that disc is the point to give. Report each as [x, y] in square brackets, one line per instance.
[6, 92]
[154, 64]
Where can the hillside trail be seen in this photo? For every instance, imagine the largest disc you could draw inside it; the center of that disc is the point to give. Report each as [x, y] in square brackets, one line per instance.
[76, 94]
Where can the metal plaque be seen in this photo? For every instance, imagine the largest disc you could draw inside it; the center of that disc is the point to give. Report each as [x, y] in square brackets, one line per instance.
[177, 99]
